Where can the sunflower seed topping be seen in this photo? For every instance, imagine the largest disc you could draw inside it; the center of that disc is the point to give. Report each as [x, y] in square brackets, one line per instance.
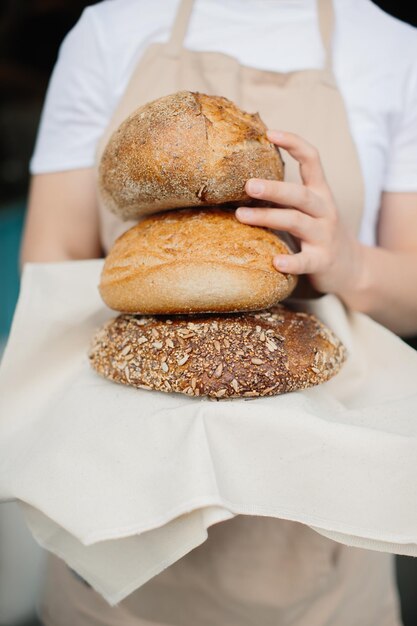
[144, 352]
[218, 371]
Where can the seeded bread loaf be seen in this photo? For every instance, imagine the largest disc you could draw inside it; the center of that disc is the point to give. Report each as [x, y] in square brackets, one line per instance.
[194, 261]
[256, 354]
[184, 149]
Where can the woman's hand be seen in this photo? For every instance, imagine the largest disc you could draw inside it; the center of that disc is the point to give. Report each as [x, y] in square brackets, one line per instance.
[329, 252]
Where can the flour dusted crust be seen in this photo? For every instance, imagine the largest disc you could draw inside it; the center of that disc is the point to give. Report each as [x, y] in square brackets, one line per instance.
[193, 261]
[184, 149]
[256, 354]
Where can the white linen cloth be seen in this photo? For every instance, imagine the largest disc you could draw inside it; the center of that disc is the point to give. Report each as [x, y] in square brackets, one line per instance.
[121, 482]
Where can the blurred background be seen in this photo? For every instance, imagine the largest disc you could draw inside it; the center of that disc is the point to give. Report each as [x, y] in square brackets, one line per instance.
[30, 34]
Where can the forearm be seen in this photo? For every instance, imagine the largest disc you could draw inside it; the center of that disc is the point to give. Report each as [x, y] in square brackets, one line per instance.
[386, 288]
[44, 250]
[62, 219]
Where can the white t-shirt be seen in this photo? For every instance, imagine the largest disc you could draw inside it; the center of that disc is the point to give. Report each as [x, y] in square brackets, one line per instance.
[374, 58]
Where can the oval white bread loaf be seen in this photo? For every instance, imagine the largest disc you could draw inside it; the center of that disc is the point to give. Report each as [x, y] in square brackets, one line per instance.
[193, 261]
[229, 356]
[184, 149]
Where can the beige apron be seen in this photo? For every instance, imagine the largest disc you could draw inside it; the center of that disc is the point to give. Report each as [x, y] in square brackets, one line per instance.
[251, 570]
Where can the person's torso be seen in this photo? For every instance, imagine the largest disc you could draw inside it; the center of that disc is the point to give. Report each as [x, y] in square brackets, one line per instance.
[258, 570]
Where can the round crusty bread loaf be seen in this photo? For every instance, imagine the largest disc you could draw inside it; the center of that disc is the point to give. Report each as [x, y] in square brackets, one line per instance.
[194, 261]
[256, 354]
[185, 149]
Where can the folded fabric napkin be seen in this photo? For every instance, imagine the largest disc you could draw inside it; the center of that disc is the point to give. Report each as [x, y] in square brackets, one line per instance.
[122, 482]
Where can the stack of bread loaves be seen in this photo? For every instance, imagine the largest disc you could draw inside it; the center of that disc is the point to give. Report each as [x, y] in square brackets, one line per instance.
[196, 289]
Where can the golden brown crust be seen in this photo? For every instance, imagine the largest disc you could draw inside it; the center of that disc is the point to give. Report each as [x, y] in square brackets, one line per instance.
[257, 354]
[194, 261]
[184, 149]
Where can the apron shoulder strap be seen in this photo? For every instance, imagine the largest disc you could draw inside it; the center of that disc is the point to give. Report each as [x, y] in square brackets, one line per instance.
[326, 23]
[180, 27]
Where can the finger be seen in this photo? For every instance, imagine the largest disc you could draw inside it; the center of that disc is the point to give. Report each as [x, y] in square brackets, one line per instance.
[305, 153]
[299, 263]
[288, 220]
[287, 194]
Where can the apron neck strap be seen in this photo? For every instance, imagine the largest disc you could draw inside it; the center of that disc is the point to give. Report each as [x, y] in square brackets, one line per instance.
[180, 27]
[326, 20]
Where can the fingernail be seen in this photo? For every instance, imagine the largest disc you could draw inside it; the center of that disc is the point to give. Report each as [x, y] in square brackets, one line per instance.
[274, 135]
[244, 212]
[281, 262]
[255, 187]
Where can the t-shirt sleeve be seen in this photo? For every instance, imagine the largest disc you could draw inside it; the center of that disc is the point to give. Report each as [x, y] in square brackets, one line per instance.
[76, 108]
[402, 165]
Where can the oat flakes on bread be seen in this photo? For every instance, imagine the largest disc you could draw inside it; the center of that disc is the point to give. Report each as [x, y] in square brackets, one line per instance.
[194, 261]
[184, 149]
[252, 355]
